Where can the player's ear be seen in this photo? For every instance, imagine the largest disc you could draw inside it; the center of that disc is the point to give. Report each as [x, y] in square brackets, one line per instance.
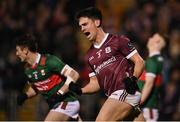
[97, 22]
[25, 50]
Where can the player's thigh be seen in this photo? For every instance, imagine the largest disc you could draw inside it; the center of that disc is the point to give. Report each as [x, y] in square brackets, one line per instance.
[57, 116]
[64, 111]
[114, 110]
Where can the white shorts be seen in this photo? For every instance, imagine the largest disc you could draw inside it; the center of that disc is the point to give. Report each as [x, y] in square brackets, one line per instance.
[123, 96]
[69, 108]
[150, 115]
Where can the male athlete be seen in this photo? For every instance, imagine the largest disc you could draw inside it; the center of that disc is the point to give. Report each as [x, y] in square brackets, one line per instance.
[50, 77]
[115, 66]
[151, 79]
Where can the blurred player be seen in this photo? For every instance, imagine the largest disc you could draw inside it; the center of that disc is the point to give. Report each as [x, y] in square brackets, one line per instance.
[151, 78]
[115, 66]
[50, 77]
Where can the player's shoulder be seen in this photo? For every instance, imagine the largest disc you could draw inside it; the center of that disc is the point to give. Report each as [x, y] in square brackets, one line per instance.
[51, 58]
[120, 37]
[48, 56]
[124, 37]
[151, 60]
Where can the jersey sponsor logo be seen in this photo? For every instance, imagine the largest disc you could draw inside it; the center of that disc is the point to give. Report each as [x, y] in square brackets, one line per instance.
[48, 83]
[104, 64]
[42, 82]
[108, 49]
[42, 88]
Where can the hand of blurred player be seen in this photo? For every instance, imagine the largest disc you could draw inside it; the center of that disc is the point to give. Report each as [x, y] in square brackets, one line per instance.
[57, 97]
[21, 98]
[131, 84]
[75, 88]
[55, 100]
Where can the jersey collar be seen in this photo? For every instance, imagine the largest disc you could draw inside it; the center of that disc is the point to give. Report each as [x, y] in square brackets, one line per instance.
[38, 58]
[154, 53]
[98, 46]
[37, 61]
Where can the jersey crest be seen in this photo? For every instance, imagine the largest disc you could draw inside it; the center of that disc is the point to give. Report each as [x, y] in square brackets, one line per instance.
[108, 49]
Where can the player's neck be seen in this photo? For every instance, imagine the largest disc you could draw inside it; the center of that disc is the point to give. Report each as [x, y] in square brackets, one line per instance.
[32, 58]
[100, 36]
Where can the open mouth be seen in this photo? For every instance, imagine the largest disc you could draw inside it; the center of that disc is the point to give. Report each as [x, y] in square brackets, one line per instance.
[87, 33]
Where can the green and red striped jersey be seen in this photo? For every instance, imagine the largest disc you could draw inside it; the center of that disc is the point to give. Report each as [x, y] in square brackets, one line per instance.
[45, 76]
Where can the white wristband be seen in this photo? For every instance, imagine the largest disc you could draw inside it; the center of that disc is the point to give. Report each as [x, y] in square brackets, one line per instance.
[60, 92]
[68, 80]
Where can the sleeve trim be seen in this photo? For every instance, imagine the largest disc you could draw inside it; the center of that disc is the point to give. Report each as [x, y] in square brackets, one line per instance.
[65, 67]
[131, 54]
[151, 74]
[92, 74]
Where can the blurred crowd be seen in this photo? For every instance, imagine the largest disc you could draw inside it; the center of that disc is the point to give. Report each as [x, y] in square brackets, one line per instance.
[53, 23]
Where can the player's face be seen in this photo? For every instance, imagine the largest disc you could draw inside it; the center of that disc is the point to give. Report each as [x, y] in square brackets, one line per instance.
[150, 42]
[21, 53]
[88, 27]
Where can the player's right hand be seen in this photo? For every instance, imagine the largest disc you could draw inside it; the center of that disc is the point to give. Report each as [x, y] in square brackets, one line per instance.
[131, 84]
[75, 88]
[21, 98]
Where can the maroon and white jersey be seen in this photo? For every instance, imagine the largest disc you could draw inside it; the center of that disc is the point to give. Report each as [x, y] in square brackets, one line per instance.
[109, 62]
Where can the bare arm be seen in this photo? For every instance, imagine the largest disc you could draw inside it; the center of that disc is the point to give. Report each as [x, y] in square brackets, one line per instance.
[92, 86]
[72, 76]
[68, 71]
[138, 64]
[30, 92]
[147, 88]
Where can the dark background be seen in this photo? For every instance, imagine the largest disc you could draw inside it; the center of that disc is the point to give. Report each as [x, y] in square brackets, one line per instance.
[52, 22]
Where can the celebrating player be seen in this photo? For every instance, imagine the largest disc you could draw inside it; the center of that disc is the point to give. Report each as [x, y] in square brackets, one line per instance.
[115, 66]
[151, 78]
[50, 77]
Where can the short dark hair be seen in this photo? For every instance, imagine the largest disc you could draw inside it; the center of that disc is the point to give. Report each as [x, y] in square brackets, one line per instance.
[27, 40]
[91, 12]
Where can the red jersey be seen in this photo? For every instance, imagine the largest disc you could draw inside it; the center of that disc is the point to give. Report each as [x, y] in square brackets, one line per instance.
[109, 62]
